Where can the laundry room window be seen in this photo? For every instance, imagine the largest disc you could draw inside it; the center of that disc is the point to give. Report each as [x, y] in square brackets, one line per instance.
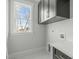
[23, 15]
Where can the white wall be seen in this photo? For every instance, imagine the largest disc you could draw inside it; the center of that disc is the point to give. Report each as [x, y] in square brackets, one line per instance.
[53, 35]
[24, 41]
[60, 27]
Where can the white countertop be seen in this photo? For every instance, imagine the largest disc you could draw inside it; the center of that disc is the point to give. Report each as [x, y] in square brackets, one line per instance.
[64, 46]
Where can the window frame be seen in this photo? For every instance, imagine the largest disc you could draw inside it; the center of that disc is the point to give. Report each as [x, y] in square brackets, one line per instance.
[27, 4]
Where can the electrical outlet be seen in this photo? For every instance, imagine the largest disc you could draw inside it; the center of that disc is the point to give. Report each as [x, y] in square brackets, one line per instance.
[62, 36]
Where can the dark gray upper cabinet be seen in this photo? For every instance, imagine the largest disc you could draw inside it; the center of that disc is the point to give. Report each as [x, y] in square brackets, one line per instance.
[51, 11]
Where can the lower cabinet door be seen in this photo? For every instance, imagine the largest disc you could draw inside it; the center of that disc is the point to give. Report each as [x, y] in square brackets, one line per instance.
[57, 54]
[54, 57]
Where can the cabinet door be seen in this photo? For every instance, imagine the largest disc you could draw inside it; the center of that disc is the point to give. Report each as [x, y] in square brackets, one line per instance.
[63, 8]
[57, 54]
[52, 8]
[49, 9]
[54, 57]
[46, 9]
[41, 11]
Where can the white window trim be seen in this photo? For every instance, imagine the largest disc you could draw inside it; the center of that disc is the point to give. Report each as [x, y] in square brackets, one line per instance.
[14, 20]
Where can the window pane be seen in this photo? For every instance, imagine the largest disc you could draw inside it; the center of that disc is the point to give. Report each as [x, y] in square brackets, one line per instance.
[23, 20]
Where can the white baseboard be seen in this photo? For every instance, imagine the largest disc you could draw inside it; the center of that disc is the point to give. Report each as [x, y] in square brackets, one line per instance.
[26, 52]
